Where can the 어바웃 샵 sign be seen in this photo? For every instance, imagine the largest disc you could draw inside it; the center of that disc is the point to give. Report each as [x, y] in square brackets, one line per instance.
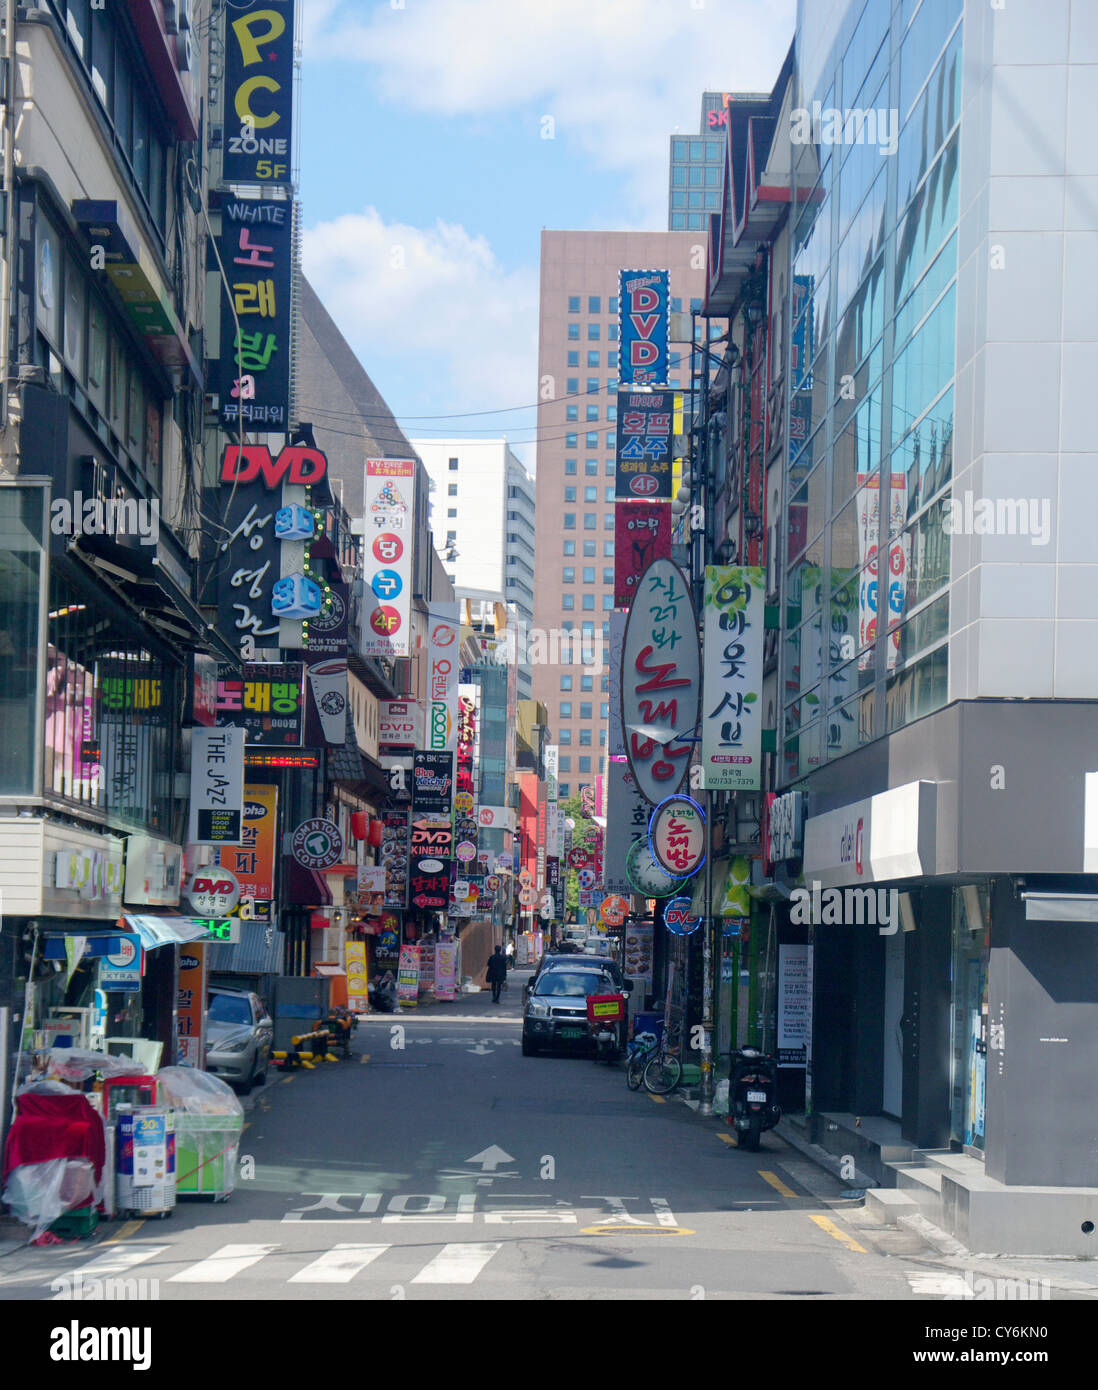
[731, 725]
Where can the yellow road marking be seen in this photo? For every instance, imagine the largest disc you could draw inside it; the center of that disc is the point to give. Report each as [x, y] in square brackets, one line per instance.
[729, 1139]
[127, 1229]
[617, 1228]
[658, 1099]
[776, 1183]
[365, 1057]
[841, 1236]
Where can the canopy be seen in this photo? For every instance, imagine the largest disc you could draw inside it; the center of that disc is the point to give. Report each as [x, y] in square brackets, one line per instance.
[166, 931]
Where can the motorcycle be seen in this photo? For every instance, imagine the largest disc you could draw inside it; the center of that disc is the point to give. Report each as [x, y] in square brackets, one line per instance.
[751, 1104]
[606, 1024]
[382, 994]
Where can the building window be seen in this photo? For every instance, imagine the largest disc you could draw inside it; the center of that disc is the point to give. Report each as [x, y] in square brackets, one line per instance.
[452, 490]
[567, 602]
[588, 574]
[568, 575]
[453, 465]
[587, 685]
[607, 602]
[609, 494]
[573, 385]
[569, 494]
[565, 764]
[611, 359]
[611, 440]
[564, 737]
[566, 705]
[607, 549]
[592, 386]
[602, 737]
[585, 738]
[612, 332]
[571, 441]
[585, 709]
[608, 521]
[566, 684]
[588, 549]
[451, 537]
[451, 512]
[590, 494]
[594, 304]
[569, 521]
[612, 413]
[571, 412]
[612, 306]
[569, 547]
[573, 332]
[592, 359]
[590, 521]
[678, 175]
[570, 468]
[564, 789]
[592, 412]
[604, 685]
[608, 575]
[610, 468]
[589, 603]
[591, 467]
[592, 441]
[604, 709]
[585, 764]
[573, 303]
[678, 221]
[594, 332]
[573, 359]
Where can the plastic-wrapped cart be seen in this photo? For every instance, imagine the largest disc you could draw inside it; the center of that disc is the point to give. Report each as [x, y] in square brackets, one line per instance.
[209, 1120]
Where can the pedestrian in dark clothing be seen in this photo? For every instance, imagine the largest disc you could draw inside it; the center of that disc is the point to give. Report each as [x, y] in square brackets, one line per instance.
[497, 972]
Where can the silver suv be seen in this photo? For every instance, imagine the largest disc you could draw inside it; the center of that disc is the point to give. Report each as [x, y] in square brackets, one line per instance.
[238, 1037]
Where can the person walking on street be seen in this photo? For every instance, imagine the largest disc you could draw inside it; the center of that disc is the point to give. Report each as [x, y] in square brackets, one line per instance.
[497, 972]
[510, 953]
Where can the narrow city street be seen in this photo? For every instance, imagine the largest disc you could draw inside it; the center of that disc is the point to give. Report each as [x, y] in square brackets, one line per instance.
[439, 1162]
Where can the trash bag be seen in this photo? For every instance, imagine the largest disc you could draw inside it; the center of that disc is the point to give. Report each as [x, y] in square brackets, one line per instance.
[76, 1064]
[720, 1098]
[197, 1092]
[38, 1193]
[45, 1088]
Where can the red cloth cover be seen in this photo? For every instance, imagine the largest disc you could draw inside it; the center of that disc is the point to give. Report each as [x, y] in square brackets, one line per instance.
[55, 1127]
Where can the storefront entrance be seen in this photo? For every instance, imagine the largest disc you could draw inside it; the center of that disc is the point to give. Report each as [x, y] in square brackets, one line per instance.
[969, 1015]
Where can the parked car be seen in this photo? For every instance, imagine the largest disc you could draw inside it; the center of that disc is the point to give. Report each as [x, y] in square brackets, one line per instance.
[239, 1031]
[555, 1013]
[606, 964]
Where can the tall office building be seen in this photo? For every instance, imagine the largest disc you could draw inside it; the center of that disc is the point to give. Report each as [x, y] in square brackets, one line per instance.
[697, 161]
[482, 520]
[578, 372]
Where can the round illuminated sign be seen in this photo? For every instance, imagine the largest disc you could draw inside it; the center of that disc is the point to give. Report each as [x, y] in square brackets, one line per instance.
[646, 875]
[213, 891]
[676, 835]
[317, 844]
[678, 917]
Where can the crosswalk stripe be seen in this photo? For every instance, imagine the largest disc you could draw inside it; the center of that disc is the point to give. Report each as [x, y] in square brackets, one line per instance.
[117, 1261]
[456, 1264]
[223, 1264]
[930, 1285]
[339, 1265]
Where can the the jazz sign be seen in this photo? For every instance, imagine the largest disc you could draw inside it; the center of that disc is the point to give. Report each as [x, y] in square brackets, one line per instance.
[676, 834]
[660, 680]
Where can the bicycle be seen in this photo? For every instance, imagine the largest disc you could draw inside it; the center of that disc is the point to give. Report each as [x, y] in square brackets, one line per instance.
[663, 1071]
[639, 1053]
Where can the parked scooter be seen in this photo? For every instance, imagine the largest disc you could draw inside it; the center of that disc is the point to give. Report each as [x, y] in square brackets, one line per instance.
[606, 1024]
[382, 994]
[751, 1096]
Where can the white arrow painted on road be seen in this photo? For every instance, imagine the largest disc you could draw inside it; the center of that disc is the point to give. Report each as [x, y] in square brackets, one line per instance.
[490, 1158]
[479, 1051]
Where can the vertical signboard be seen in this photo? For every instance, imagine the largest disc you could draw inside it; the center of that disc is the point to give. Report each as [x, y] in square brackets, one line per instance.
[432, 783]
[389, 528]
[253, 862]
[731, 749]
[408, 976]
[443, 676]
[643, 450]
[642, 534]
[794, 1005]
[626, 824]
[394, 857]
[258, 87]
[191, 1006]
[644, 304]
[256, 245]
[431, 855]
[445, 970]
[217, 786]
[357, 994]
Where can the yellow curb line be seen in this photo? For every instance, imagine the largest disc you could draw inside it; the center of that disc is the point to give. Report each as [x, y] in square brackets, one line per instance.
[659, 1100]
[129, 1228]
[841, 1236]
[776, 1183]
[729, 1139]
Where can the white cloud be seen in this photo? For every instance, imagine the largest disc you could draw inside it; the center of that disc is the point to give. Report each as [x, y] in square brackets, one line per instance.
[617, 76]
[434, 318]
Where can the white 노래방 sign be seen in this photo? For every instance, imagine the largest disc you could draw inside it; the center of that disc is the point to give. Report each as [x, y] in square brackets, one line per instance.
[731, 724]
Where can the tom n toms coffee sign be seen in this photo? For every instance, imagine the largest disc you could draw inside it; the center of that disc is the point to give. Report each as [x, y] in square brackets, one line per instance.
[317, 844]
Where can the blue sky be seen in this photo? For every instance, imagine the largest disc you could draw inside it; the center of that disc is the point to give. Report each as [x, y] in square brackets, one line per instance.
[426, 177]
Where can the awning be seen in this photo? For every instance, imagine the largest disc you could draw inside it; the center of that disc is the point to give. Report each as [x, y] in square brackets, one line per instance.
[96, 944]
[1061, 907]
[166, 931]
[328, 970]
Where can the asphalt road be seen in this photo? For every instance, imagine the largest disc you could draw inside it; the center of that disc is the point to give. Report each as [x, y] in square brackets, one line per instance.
[440, 1163]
